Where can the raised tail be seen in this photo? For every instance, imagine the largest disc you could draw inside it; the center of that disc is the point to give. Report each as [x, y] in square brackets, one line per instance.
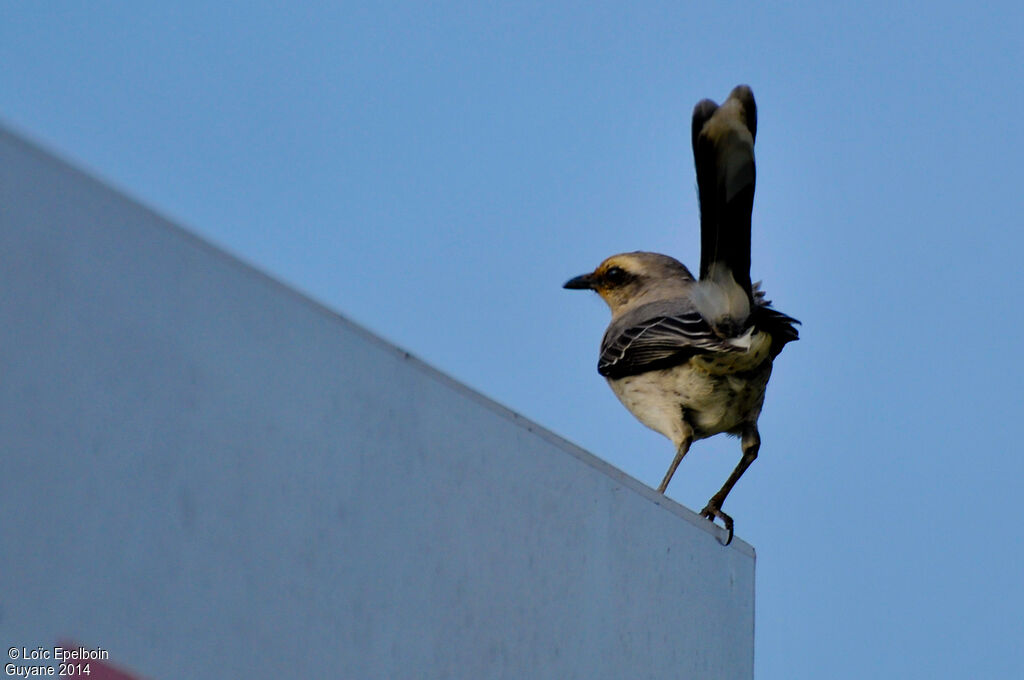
[723, 152]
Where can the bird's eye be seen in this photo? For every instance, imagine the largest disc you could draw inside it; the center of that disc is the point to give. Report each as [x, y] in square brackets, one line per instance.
[615, 275]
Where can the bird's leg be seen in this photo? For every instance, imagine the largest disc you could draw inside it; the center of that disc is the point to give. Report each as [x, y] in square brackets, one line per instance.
[751, 442]
[684, 446]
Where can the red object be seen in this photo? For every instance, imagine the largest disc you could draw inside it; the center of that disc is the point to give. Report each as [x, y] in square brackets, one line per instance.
[98, 669]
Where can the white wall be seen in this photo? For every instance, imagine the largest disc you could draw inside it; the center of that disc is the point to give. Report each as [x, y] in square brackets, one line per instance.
[212, 476]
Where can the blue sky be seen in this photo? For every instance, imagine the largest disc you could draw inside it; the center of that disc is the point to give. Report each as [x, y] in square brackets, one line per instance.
[436, 171]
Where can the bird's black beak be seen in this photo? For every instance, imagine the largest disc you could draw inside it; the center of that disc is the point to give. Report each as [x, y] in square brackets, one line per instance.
[581, 282]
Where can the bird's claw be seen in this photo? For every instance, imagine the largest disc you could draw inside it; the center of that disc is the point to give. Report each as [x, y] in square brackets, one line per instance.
[711, 511]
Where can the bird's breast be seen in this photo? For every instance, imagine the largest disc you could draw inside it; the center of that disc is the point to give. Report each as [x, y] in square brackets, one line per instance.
[709, 402]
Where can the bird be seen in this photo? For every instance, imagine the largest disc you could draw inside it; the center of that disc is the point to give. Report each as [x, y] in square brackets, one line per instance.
[691, 357]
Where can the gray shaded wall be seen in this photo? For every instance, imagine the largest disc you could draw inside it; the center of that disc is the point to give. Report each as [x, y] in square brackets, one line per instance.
[212, 476]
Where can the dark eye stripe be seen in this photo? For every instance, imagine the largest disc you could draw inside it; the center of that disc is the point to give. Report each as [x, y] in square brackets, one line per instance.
[615, 275]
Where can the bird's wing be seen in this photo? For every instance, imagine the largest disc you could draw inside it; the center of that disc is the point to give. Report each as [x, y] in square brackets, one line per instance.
[659, 335]
[781, 327]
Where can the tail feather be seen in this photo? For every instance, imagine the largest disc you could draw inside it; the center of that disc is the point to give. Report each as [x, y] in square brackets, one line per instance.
[723, 153]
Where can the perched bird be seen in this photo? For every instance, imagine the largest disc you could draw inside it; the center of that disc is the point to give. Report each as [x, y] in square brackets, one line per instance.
[691, 358]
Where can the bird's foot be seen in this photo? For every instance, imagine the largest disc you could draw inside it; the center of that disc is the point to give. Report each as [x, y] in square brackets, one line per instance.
[711, 511]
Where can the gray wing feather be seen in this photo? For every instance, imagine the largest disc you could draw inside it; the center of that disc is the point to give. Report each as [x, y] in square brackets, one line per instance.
[657, 335]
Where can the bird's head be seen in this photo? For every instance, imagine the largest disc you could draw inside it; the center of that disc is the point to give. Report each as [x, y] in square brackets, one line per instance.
[629, 279]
